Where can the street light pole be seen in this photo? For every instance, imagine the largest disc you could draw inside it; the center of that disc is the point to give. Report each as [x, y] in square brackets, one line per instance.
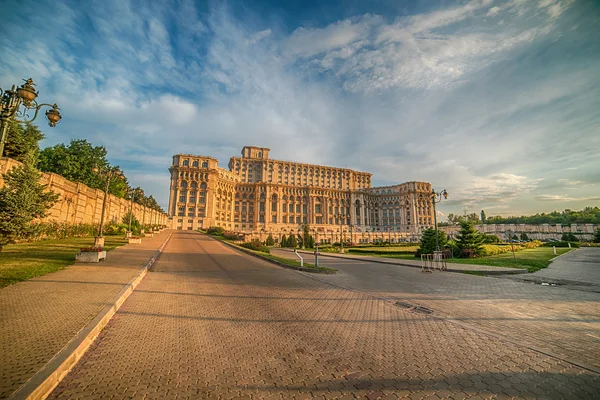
[341, 233]
[436, 198]
[10, 108]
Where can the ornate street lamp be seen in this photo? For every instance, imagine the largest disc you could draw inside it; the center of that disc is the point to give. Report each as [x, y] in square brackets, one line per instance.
[108, 175]
[436, 198]
[10, 108]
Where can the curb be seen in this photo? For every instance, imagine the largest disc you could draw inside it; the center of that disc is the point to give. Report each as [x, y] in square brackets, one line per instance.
[43, 382]
[486, 272]
[245, 251]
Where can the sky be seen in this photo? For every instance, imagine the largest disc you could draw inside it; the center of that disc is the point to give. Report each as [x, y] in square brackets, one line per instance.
[496, 101]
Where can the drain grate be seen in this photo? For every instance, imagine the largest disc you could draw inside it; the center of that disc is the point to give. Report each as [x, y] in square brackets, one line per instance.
[422, 310]
[404, 304]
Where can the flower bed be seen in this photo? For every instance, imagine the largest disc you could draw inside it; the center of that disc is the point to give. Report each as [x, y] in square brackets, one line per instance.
[135, 239]
[90, 254]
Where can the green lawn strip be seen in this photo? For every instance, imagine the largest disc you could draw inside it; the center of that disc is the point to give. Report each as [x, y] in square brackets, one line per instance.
[532, 259]
[283, 260]
[19, 262]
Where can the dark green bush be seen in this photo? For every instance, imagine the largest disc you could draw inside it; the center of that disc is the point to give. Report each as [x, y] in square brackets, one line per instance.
[256, 246]
[216, 230]
[561, 244]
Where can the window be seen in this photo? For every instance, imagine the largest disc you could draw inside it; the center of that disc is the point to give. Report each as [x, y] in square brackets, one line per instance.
[274, 219]
[298, 220]
[182, 198]
[186, 163]
[261, 218]
[318, 208]
[319, 220]
[195, 164]
[179, 220]
[262, 207]
[304, 209]
[298, 208]
[284, 219]
[205, 164]
[202, 200]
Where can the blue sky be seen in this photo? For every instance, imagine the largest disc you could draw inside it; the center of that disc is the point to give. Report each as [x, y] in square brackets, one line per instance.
[496, 101]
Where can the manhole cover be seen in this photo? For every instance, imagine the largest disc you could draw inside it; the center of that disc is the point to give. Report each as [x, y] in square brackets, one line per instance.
[403, 304]
[422, 310]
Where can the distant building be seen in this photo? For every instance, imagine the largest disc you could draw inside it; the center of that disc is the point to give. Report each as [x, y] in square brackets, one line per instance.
[258, 196]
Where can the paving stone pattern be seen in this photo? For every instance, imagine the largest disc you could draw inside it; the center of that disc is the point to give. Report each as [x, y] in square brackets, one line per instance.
[212, 323]
[556, 319]
[40, 316]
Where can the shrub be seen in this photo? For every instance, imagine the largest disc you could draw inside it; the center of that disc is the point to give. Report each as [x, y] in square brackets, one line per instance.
[231, 236]
[270, 241]
[216, 230]
[469, 253]
[63, 230]
[256, 246]
[561, 244]
[113, 228]
[569, 237]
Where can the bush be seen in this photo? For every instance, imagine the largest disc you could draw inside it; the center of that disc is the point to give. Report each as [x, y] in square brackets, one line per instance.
[113, 228]
[216, 230]
[63, 230]
[569, 237]
[270, 241]
[256, 246]
[561, 244]
[469, 253]
[231, 236]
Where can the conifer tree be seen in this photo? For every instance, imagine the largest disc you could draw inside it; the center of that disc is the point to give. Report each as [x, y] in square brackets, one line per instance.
[22, 200]
[283, 242]
[292, 242]
[428, 245]
[469, 241]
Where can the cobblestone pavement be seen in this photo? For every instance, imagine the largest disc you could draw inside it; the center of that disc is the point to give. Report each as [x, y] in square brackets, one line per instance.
[562, 321]
[212, 323]
[40, 316]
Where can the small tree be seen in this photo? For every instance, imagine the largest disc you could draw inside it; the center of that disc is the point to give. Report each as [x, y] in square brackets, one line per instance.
[135, 224]
[23, 199]
[483, 216]
[270, 241]
[524, 236]
[596, 238]
[284, 242]
[469, 241]
[428, 244]
[569, 237]
[292, 242]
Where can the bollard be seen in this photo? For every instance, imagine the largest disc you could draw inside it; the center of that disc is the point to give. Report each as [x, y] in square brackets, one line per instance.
[569, 244]
[317, 256]
[554, 249]
[301, 259]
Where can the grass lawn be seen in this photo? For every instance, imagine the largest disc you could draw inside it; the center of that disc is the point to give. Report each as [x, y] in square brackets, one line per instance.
[532, 259]
[19, 262]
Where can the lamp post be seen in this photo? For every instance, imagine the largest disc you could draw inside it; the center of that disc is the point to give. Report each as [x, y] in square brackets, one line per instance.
[109, 174]
[436, 198]
[341, 233]
[10, 108]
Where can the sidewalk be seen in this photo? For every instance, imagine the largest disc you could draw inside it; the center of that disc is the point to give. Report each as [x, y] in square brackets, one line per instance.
[43, 316]
[416, 263]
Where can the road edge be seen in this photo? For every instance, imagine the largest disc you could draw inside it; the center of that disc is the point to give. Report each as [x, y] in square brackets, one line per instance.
[43, 382]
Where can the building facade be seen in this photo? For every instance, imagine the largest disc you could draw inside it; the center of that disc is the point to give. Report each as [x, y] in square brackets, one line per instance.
[259, 196]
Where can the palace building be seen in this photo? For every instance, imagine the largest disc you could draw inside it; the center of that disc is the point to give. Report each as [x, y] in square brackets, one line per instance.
[258, 196]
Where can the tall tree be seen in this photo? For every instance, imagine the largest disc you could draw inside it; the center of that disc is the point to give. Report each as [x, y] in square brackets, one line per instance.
[21, 140]
[23, 199]
[483, 216]
[468, 241]
[76, 162]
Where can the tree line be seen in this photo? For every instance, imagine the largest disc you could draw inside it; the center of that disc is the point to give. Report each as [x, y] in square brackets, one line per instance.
[589, 215]
[75, 162]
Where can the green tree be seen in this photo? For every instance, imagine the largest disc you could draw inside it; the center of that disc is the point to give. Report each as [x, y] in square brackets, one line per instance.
[483, 216]
[21, 140]
[307, 238]
[136, 226]
[270, 241]
[524, 236]
[469, 241]
[292, 241]
[428, 243]
[76, 162]
[22, 200]
[283, 242]
[597, 236]
[569, 237]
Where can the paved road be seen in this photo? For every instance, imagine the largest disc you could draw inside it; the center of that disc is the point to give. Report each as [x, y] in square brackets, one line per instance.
[556, 319]
[212, 323]
[578, 269]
